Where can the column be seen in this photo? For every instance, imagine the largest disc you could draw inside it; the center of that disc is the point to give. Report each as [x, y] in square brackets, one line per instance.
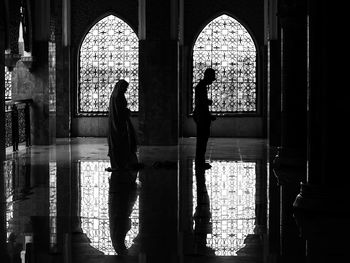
[273, 71]
[326, 184]
[158, 94]
[289, 165]
[292, 150]
[63, 103]
[158, 215]
[320, 205]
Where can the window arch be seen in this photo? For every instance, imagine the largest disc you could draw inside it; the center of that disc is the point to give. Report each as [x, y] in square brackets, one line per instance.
[108, 52]
[225, 45]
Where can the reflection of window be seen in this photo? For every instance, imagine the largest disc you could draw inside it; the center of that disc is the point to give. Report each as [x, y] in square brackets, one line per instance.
[8, 84]
[231, 190]
[225, 45]
[94, 187]
[53, 203]
[109, 52]
[8, 177]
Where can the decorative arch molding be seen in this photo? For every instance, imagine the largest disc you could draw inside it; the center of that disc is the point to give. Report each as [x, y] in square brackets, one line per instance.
[227, 46]
[109, 51]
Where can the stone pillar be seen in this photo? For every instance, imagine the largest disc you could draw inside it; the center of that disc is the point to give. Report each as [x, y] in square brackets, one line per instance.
[274, 92]
[273, 72]
[63, 190]
[289, 165]
[274, 121]
[320, 206]
[326, 183]
[158, 215]
[158, 89]
[274, 138]
[293, 79]
[63, 103]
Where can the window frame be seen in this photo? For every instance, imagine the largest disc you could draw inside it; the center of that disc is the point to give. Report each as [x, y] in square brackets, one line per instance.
[190, 93]
[76, 97]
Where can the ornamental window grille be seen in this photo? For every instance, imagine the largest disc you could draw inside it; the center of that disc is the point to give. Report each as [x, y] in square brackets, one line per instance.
[109, 52]
[230, 187]
[8, 84]
[53, 204]
[95, 211]
[9, 192]
[226, 46]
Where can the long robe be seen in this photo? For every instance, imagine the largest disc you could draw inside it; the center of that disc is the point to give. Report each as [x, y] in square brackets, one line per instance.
[121, 134]
[202, 118]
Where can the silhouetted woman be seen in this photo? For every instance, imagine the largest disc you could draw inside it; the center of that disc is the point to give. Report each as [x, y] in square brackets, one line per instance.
[122, 144]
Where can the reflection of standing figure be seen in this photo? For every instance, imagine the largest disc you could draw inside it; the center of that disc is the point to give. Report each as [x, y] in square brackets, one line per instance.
[122, 197]
[202, 215]
[203, 117]
[122, 144]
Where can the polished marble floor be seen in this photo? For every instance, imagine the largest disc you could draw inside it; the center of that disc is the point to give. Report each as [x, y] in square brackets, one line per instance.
[63, 206]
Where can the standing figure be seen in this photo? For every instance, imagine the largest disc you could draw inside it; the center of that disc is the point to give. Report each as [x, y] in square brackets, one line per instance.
[122, 143]
[203, 117]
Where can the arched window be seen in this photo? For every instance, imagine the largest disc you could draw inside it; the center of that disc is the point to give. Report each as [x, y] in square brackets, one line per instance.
[225, 45]
[109, 52]
[8, 84]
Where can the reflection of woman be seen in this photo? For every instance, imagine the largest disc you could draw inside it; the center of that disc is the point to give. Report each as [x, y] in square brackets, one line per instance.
[122, 197]
[121, 134]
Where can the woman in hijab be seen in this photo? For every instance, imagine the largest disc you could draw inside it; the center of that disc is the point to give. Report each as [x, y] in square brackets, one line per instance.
[121, 134]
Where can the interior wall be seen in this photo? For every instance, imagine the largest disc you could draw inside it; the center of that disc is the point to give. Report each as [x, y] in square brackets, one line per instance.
[197, 13]
[95, 126]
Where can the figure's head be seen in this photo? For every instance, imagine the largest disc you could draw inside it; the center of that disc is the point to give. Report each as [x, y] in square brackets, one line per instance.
[209, 75]
[122, 85]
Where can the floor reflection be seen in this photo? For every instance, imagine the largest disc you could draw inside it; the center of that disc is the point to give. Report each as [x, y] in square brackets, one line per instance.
[53, 205]
[9, 193]
[226, 194]
[65, 206]
[102, 195]
[18, 191]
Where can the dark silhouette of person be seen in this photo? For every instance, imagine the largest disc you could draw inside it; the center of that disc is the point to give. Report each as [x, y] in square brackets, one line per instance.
[123, 191]
[122, 143]
[202, 215]
[202, 116]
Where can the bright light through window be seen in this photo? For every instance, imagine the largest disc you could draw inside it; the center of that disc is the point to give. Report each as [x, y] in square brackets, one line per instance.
[225, 45]
[108, 53]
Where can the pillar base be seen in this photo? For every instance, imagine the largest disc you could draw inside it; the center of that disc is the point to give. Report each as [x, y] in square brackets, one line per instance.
[289, 165]
[322, 217]
[317, 198]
